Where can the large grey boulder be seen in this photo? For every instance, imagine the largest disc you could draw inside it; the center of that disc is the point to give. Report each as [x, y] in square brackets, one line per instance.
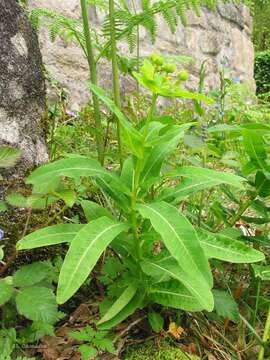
[22, 86]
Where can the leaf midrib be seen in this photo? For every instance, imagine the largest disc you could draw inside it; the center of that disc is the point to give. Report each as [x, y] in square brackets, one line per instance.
[85, 253]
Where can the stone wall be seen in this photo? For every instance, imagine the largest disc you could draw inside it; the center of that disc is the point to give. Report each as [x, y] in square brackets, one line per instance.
[222, 37]
[22, 86]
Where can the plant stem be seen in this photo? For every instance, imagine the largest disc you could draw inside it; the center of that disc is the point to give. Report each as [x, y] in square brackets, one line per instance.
[265, 335]
[241, 211]
[136, 181]
[93, 78]
[116, 88]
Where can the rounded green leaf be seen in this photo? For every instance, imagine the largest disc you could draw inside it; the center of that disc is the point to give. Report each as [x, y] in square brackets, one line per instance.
[6, 291]
[37, 304]
[31, 274]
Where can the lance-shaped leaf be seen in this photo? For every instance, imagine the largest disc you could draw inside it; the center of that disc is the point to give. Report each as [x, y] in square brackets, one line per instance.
[169, 267]
[155, 160]
[93, 210]
[222, 247]
[83, 253]
[175, 131]
[132, 136]
[179, 237]
[74, 167]
[51, 235]
[119, 304]
[262, 184]
[254, 145]
[135, 303]
[174, 294]
[204, 173]
[187, 187]
[113, 192]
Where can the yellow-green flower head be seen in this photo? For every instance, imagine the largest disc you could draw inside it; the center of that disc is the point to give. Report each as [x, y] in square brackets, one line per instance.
[157, 59]
[183, 75]
[169, 68]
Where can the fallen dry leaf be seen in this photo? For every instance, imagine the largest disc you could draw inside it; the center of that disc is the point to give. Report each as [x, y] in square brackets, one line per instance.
[175, 331]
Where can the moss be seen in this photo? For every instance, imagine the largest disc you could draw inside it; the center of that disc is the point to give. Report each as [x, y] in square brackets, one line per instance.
[151, 351]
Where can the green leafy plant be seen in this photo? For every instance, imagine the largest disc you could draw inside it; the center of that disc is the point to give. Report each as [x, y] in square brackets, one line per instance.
[146, 193]
[93, 342]
[261, 72]
[30, 287]
[262, 272]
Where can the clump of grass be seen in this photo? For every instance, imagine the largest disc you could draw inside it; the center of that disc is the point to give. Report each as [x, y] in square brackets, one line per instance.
[150, 351]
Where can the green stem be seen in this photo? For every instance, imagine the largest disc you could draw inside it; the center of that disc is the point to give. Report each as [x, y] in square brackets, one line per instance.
[116, 88]
[241, 211]
[93, 78]
[257, 302]
[136, 182]
[265, 335]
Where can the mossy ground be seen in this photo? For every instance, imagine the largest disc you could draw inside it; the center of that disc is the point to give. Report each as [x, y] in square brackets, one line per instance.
[152, 351]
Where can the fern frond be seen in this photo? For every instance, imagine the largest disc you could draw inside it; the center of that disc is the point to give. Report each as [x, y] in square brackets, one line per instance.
[170, 17]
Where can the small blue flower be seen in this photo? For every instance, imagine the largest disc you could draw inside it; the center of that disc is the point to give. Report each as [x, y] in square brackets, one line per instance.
[236, 80]
[2, 234]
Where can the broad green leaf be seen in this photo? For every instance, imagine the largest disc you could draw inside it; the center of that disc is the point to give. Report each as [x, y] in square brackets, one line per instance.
[74, 167]
[135, 303]
[8, 156]
[225, 305]
[204, 173]
[84, 251]
[31, 274]
[222, 247]
[132, 136]
[51, 235]
[38, 304]
[169, 267]
[6, 291]
[93, 210]
[119, 304]
[253, 142]
[179, 237]
[187, 187]
[262, 271]
[156, 321]
[33, 201]
[174, 294]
